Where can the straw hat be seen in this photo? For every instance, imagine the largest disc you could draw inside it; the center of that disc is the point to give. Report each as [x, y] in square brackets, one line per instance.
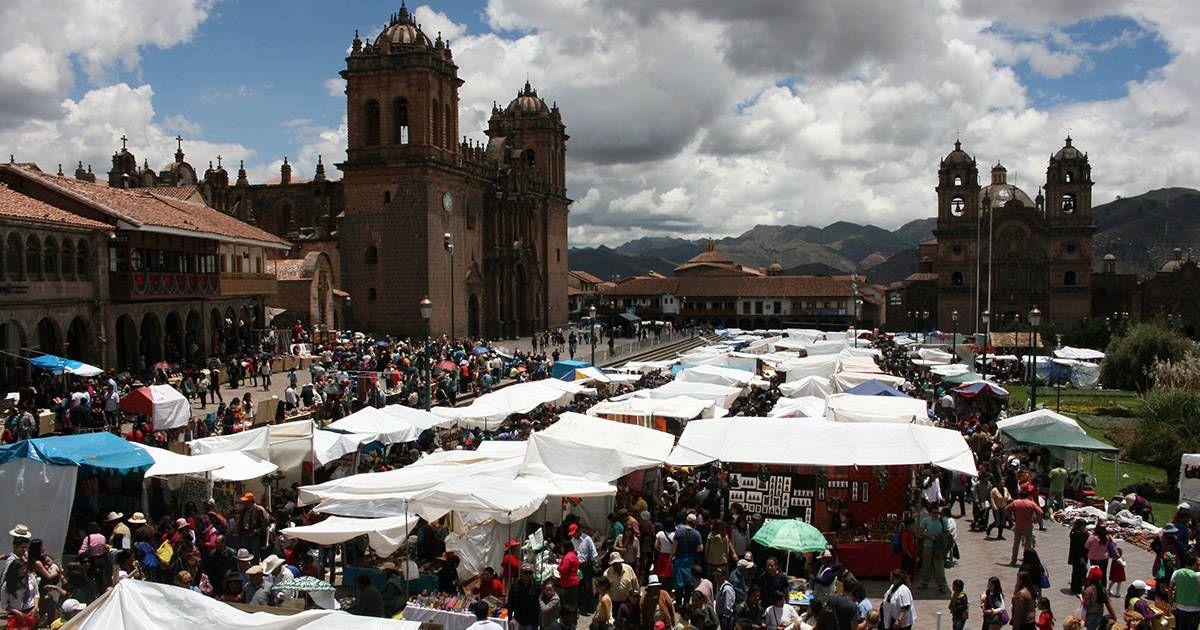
[20, 531]
[244, 555]
[137, 519]
[113, 516]
[271, 563]
[615, 557]
[387, 566]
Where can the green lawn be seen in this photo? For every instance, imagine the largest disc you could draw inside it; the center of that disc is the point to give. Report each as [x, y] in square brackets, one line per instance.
[1074, 401]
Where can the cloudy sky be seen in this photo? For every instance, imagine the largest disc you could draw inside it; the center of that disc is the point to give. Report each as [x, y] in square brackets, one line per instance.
[687, 117]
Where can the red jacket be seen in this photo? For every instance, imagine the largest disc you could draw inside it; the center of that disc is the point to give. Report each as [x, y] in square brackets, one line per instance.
[568, 570]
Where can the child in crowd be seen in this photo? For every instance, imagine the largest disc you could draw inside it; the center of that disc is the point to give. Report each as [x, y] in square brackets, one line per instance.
[959, 605]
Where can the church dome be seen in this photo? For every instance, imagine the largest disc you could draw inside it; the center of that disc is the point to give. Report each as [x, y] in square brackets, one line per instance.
[1175, 263]
[527, 102]
[1068, 152]
[402, 29]
[1001, 194]
[957, 157]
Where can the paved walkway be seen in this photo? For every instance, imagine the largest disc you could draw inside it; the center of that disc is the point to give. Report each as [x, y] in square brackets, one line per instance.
[983, 558]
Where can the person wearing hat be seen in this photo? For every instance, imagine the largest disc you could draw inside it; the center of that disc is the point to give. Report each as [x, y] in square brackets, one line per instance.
[585, 551]
[256, 586]
[394, 589]
[21, 537]
[119, 535]
[741, 577]
[1095, 599]
[69, 609]
[253, 521]
[522, 602]
[621, 577]
[657, 604]
[510, 564]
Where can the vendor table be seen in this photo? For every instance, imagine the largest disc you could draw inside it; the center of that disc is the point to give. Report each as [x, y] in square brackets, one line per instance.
[446, 619]
[868, 559]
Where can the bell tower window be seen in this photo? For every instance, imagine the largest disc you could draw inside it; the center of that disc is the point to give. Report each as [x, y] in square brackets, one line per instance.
[400, 121]
[449, 127]
[956, 279]
[1067, 177]
[957, 206]
[437, 123]
[1068, 204]
[957, 180]
[1069, 278]
[371, 122]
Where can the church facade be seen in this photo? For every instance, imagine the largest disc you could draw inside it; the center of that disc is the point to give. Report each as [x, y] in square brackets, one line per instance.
[996, 249]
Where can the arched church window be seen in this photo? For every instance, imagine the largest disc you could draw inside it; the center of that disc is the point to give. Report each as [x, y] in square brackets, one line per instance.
[958, 206]
[449, 127]
[1068, 204]
[1067, 177]
[956, 279]
[528, 157]
[957, 180]
[1069, 278]
[400, 121]
[371, 122]
[372, 256]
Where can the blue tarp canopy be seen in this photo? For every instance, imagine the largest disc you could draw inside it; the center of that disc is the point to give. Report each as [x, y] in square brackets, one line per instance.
[58, 365]
[876, 388]
[101, 452]
[565, 370]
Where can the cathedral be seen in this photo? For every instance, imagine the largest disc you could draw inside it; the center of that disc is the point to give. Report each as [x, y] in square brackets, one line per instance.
[995, 248]
[420, 210]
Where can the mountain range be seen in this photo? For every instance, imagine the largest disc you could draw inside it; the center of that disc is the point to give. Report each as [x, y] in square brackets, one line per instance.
[1141, 231]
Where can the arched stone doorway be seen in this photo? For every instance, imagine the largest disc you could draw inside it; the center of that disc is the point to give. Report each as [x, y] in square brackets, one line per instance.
[522, 301]
[13, 369]
[193, 338]
[473, 315]
[173, 341]
[79, 340]
[48, 337]
[232, 330]
[216, 332]
[151, 346]
[127, 346]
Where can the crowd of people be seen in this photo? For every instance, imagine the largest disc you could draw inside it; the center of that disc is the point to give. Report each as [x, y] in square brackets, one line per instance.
[679, 557]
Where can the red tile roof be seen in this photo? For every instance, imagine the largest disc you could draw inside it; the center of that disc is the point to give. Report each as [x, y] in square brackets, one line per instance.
[586, 277]
[18, 206]
[736, 286]
[174, 192]
[143, 206]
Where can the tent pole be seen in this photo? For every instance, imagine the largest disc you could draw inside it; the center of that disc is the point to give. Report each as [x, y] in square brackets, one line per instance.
[407, 529]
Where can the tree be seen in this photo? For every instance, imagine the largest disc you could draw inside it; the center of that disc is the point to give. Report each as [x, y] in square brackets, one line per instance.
[1130, 357]
[1170, 428]
[1088, 332]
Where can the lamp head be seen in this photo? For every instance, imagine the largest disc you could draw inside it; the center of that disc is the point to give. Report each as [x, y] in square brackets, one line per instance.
[1035, 317]
[426, 308]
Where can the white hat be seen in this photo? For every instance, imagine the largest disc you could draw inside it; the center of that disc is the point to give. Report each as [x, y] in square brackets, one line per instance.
[1139, 584]
[72, 606]
[114, 516]
[271, 563]
[20, 531]
[137, 519]
[1185, 506]
[653, 580]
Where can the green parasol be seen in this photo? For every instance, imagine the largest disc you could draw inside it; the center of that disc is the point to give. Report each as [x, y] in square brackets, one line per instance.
[305, 583]
[791, 535]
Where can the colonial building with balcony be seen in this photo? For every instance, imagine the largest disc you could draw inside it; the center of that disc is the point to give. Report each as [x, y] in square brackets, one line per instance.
[152, 277]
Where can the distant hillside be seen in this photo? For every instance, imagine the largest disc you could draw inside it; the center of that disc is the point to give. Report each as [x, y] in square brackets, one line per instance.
[841, 247]
[1142, 231]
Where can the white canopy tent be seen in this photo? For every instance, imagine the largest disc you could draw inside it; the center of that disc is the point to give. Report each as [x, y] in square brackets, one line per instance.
[504, 499]
[404, 482]
[386, 428]
[810, 406]
[594, 448]
[857, 363]
[489, 410]
[330, 446]
[934, 356]
[818, 386]
[1037, 418]
[1079, 354]
[855, 408]
[384, 534]
[646, 367]
[420, 419]
[143, 605]
[788, 442]
[287, 445]
[681, 407]
[822, 365]
[720, 394]
[843, 381]
[952, 369]
[715, 375]
[826, 347]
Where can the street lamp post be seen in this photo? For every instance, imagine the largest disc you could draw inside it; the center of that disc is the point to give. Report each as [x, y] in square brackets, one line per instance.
[592, 330]
[1035, 320]
[954, 340]
[448, 245]
[426, 313]
[987, 327]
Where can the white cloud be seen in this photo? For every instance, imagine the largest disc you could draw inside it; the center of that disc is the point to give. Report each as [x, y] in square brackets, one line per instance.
[87, 130]
[336, 86]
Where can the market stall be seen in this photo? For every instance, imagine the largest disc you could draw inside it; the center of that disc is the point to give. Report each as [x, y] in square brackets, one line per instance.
[162, 403]
[855, 481]
[664, 414]
[801, 407]
[853, 408]
[807, 386]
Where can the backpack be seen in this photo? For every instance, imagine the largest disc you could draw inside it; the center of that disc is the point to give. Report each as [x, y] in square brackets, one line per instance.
[897, 544]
